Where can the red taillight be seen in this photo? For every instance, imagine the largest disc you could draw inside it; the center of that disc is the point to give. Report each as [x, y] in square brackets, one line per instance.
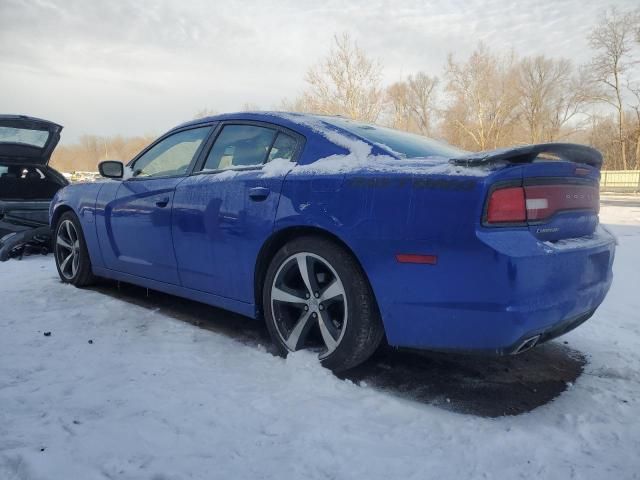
[545, 200]
[507, 205]
[535, 203]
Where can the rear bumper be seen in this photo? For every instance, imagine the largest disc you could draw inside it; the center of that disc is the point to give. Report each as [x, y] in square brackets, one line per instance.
[491, 298]
[532, 339]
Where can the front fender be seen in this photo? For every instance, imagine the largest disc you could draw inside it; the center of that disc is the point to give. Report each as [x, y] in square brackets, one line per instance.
[81, 199]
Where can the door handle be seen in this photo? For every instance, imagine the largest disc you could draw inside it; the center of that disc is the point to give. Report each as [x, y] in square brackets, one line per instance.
[162, 203]
[259, 193]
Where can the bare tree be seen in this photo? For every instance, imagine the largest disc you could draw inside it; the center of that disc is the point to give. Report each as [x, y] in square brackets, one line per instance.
[205, 112]
[635, 90]
[422, 88]
[250, 107]
[91, 149]
[398, 99]
[346, 82]
[484, 100]
[94, 147]
[412, 103]
[551, 95]
[612, 40]
[298, 104]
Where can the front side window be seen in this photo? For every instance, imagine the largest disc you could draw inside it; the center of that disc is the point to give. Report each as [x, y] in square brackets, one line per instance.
[240, 146]
[171, 156]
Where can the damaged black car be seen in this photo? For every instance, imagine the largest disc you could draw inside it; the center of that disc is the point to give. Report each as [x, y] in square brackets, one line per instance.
[27, 183]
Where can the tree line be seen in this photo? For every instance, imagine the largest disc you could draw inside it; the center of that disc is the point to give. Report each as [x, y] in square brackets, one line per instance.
[488, 100]
[85, 154]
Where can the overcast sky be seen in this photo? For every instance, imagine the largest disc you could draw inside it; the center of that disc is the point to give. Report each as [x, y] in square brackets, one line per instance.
[108, 67]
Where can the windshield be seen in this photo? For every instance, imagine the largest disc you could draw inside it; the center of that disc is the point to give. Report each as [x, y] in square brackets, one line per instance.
[406, 144]
[25, 136]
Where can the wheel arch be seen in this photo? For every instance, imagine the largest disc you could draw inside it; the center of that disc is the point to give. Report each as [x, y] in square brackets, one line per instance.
[58, 211]
[277, 240]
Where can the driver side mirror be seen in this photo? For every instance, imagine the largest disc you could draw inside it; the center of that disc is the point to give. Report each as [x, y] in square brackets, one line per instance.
[111, 169]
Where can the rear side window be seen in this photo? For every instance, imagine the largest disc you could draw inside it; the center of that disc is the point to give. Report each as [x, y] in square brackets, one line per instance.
[284, 147]
[25, 136]
[240, 146]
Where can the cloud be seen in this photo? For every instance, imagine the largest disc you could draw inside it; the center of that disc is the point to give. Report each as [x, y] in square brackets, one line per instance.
[140, 66]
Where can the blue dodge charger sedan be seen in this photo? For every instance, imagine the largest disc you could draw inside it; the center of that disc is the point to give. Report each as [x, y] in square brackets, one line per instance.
[341, 234]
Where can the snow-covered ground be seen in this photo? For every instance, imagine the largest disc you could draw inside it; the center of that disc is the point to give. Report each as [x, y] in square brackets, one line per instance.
[155, 397]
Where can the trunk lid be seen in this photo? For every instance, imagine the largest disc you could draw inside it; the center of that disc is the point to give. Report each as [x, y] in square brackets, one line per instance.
[557, 196]
[562, 199]
[27, 140]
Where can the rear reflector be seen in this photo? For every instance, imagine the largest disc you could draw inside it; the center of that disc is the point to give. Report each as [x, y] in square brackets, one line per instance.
[414, 258]
[536, 203]
[507, 205]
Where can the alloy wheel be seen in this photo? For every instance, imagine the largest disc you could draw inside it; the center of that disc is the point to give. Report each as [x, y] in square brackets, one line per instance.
[67, 249]
[309, 304]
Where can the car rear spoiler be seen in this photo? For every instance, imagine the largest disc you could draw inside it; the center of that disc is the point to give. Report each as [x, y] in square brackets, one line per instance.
[528, 153]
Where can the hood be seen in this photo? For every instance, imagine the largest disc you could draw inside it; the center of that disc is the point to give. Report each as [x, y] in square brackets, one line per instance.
[27, 139]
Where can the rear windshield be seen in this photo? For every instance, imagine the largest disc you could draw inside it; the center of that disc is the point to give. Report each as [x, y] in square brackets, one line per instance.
[25, 136]
[406, 144]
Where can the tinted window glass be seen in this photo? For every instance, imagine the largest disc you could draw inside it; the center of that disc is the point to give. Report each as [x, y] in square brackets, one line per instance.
[36, 138]
[171, 156]
[408, 144]
[283, 147]
[240, 146]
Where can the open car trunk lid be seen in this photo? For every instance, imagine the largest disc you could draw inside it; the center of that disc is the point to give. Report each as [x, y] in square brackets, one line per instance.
[27, 140]
[27, 183]
[557, 196]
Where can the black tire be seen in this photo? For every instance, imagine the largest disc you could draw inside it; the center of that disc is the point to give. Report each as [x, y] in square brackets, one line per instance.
[362, 329]
[81, 275]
